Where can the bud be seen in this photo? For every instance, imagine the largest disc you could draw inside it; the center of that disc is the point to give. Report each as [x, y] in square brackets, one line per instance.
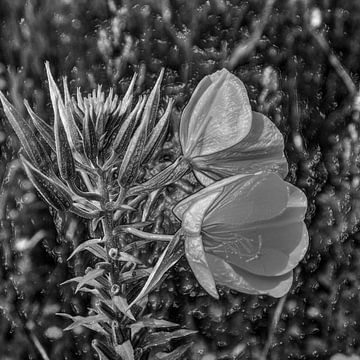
[221, 136]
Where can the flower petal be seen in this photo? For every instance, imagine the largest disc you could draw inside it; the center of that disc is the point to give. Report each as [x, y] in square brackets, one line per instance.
[217, 116]
[195, 255]
[185, 204]
[252, 198]
[261, 150]
[282, 241]
[243, 281]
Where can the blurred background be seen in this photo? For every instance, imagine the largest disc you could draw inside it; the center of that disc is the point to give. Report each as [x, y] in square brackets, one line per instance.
[300, 62]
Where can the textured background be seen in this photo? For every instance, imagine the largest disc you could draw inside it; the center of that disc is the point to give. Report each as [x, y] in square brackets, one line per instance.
[300, 64]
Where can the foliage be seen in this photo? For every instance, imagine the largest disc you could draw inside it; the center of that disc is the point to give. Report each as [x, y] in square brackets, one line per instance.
[289, 78]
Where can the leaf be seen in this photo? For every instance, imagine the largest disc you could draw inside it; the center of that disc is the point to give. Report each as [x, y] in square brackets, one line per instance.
[77, 279]
[122, 305]
[104, 351]
[98, 251]
[130, 164]
[44, 129]
[64, 154]
[162, 338]
[158, 134]
[84, 245]
[152, 104]
[67, 119]
[123, 256]
[53, 192]
[173, 355]
[91, 275]
[153, 323]
[125, 350]
[134, 275]
[168, 258]
[91, 322]
[120, 140]
[28, 140]
[89, 138]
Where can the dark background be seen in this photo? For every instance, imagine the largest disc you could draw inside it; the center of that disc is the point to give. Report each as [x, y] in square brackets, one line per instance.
[300, 62]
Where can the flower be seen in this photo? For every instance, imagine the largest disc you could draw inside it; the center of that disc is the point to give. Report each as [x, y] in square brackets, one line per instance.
[245, 232]
[220, 136]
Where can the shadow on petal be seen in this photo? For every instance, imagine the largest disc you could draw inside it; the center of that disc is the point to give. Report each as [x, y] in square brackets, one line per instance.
[243, 281]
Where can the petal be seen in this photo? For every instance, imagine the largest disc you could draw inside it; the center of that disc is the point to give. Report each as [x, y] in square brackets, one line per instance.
[220, 118]
[281, 241]
[280, 249]
[252, 198]
[183, 205]
[243, 281]
[195, 255]
[262, 149]
[189, 109]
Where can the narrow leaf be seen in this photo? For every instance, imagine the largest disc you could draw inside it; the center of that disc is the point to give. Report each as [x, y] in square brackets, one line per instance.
[158, 134]
[53, 192]
[87, 321]
[134, 275]
[64, 154]
[84, 245]
[67, 119]
[162, 338]
[90, 139]
[44, 129]
[77, 279]
[104, 351]
[168, 258]
[91, 275]
[173, 355]
[153, 102]
[132, 158]
[28, 140]
[125, 350]
[153, 323]
[122, 305]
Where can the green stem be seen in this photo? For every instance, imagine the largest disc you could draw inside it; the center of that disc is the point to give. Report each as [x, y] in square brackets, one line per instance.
[146, 235]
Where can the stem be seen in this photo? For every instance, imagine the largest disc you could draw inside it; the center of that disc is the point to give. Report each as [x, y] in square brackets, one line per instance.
[146, 235]
[165, 177]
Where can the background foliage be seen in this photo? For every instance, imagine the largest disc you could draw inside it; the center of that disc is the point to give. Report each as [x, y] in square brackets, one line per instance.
[290, 55]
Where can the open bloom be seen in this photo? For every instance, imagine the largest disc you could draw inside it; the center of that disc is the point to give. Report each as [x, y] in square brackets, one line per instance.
[245, 232]
[221, 136]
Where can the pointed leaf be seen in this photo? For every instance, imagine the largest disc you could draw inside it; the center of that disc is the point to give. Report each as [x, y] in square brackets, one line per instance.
[134, 275]
[162, 338]
[122, 305]
[84, 245]
[173, 355]
[125, 350]
[153, 102]
[53, 192]
[67, 119]
[64, 154]
[168, 258]
[91, 322]
[104, 351]
[153, 323]
[77, 279]
[91, 275]
[44, 129]
[28, 140]
[90, 139]
[158, 134]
